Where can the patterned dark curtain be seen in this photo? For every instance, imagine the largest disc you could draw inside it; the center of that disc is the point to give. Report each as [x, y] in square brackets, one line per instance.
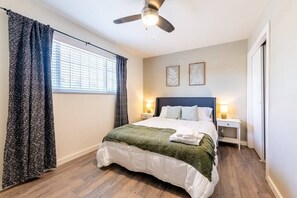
[121, 109]
[30, 140]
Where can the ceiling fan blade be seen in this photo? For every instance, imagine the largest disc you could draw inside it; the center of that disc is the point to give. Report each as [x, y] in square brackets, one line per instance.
[165, 25]
[127, 19]
[156, 4]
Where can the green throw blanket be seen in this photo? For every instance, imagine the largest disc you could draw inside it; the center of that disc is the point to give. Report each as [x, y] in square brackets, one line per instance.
[157, 140]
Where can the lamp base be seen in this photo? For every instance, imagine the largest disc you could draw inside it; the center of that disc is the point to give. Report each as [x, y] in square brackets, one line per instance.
[149, 111]
[224, 116]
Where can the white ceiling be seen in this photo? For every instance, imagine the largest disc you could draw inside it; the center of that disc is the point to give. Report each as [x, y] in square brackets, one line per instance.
[198, 23]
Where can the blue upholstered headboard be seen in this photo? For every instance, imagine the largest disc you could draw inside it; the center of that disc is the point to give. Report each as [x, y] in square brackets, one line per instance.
[186, 101]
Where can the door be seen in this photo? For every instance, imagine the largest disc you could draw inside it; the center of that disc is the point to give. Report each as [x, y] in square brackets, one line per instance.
[258, 102]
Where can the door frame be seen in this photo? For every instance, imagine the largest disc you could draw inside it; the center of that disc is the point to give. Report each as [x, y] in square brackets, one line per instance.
[264, 36]
[258, 95]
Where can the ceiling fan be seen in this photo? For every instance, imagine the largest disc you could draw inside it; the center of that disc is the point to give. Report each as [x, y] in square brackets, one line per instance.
[150, 16]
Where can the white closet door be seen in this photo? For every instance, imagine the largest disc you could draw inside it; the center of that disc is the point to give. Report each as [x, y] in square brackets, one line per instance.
[258, 102]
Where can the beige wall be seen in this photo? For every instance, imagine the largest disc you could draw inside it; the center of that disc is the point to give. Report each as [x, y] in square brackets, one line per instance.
[225, 76]
[81, 120]
[282, 134]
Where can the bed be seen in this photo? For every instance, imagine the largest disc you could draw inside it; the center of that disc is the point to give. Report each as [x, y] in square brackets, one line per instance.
[165, 167]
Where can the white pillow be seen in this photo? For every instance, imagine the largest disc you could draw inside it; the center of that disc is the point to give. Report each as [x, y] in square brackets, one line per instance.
[190, 113]
[204, 114]
[163, 113]
[173, 112]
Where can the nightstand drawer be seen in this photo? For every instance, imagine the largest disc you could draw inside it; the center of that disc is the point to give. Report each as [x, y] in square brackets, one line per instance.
[228, 124]
[145, 116]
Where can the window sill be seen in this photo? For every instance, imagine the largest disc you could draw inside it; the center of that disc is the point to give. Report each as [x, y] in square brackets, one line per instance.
[55, 91]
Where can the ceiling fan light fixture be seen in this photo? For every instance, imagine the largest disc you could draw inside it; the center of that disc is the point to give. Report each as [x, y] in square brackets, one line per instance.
[150, 16]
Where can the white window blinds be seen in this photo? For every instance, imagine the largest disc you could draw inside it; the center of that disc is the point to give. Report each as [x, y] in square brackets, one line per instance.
[79, 71]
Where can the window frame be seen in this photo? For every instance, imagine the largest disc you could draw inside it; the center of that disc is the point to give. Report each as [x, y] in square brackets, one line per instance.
[81, 91]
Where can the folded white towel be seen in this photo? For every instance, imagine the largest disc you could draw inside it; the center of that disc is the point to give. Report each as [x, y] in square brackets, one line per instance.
[192, 141]
[185, 132]
[187, 137]
[199, 135]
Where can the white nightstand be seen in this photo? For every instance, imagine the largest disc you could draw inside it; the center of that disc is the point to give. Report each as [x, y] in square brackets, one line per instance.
[145, 116]
[232, 123]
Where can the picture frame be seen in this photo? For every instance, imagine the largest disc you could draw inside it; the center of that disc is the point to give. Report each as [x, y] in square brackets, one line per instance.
[172, 76]
[197, 74]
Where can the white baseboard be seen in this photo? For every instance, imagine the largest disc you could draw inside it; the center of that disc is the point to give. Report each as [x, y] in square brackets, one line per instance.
[274, 188]
[243, 143]
[76, 155]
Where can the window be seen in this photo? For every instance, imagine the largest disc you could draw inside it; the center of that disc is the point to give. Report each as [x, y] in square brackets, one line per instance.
[76, 70]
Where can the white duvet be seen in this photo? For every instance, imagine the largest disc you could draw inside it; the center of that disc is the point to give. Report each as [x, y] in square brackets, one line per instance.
[163, 167]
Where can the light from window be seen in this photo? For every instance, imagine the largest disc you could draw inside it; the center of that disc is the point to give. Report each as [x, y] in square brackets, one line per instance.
[76, 70]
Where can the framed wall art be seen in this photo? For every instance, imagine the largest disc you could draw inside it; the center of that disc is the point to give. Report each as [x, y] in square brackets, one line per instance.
[172, 76]
[197, 74]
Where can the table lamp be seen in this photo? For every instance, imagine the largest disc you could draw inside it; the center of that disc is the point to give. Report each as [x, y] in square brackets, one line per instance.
[224, 110]
[148, 106]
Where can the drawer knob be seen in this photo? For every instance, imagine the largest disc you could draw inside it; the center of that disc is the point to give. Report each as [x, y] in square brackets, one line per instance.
[228, 124]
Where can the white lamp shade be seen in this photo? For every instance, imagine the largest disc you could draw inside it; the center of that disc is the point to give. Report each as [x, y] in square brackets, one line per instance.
[148, 105]
[224, 108]
[150, 16]
[150, 20]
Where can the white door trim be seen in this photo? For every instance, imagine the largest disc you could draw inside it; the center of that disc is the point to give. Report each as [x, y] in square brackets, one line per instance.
[263, 36]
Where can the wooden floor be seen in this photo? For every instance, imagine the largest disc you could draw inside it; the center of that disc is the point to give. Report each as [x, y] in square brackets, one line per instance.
[241, 175]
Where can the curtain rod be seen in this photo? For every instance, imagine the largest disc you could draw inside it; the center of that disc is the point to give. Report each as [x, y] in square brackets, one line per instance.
[73, 37]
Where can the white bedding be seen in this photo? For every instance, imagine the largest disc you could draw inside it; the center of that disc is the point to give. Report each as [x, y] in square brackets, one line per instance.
[163, 167]
[200, 126]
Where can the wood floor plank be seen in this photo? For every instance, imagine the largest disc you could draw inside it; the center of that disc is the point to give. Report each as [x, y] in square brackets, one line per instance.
[228, 179]
[257, 170]
[244, 178]
[241, 175]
